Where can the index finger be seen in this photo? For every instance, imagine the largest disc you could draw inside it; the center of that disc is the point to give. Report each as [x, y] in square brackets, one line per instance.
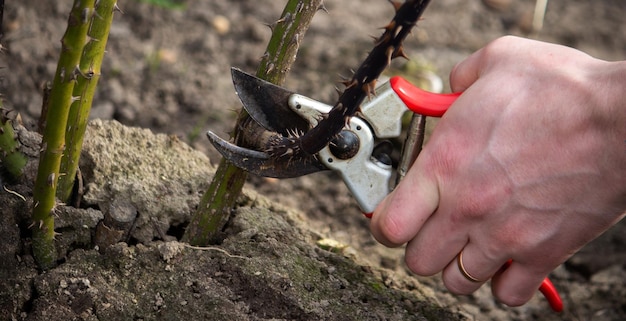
[466, 72]
[497, 53]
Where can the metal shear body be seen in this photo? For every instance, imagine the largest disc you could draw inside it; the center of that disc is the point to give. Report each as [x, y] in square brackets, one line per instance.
[355, 153]
[351, 153]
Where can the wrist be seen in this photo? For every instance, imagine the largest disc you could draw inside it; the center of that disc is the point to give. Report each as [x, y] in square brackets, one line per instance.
[601, 101]
[612, 97]
[615, 122]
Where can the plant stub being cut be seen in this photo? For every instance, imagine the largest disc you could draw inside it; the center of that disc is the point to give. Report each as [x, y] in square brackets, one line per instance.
[219, 199]
[300, 145]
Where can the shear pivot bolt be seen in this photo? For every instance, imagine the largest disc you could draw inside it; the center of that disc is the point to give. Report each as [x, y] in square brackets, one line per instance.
[345, 145]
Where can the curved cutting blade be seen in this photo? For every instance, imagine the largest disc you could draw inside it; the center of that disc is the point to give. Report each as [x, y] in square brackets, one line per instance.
[261, 164]
[267, 103]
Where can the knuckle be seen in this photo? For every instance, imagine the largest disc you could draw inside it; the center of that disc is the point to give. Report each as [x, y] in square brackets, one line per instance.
[458, 287]
[499, 44]
[512, 299]
[419, 266]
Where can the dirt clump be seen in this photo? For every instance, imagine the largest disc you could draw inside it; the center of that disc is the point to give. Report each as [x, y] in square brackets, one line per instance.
[267, 267]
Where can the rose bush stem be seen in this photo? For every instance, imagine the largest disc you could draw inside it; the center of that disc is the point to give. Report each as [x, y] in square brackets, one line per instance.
[220, 198]
[78, 69]
[84, 89]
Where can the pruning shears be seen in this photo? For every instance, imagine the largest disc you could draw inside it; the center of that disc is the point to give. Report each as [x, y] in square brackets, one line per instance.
[359, 153]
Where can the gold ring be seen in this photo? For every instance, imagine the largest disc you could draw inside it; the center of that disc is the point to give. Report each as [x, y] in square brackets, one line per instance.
[464, 272]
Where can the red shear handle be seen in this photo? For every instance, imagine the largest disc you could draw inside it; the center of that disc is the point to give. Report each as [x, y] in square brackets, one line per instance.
[551, 294]
[420, 101]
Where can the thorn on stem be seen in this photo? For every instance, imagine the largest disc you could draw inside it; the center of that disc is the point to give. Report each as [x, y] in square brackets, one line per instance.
[62, 74]
[86, 15]
[390, 26]
[296, 39]
[88, 75]
[370, 88]
[117, 8]
[349, 83]
[287, 18]
[322, 7]
[90, 39]
[399, 52]
[75, 73]
[339, 91]
[96, 15]
[50, 179]
[396, 4]
[271, 26]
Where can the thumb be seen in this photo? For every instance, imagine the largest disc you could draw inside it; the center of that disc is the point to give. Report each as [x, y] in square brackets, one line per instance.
[404, 211]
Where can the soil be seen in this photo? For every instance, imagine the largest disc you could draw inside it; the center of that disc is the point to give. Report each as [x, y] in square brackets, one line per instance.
[167, 70]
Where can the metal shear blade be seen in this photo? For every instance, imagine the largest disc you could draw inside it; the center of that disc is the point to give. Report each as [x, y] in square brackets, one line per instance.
[267, 103]
[261, 164]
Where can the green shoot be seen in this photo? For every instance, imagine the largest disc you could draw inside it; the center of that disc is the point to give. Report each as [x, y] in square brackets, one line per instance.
[216, 204]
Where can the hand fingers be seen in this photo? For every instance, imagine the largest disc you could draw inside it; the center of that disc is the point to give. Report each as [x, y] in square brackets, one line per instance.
[512, 284]
[470, 269]
[516, 284]
[436, 245]
[403, 212]
[465, 73]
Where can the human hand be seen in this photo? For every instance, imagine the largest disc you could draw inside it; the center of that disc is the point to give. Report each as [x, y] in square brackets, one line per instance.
[529, 164]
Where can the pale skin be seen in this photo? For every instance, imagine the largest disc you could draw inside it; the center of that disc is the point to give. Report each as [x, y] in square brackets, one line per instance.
[528, 164]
